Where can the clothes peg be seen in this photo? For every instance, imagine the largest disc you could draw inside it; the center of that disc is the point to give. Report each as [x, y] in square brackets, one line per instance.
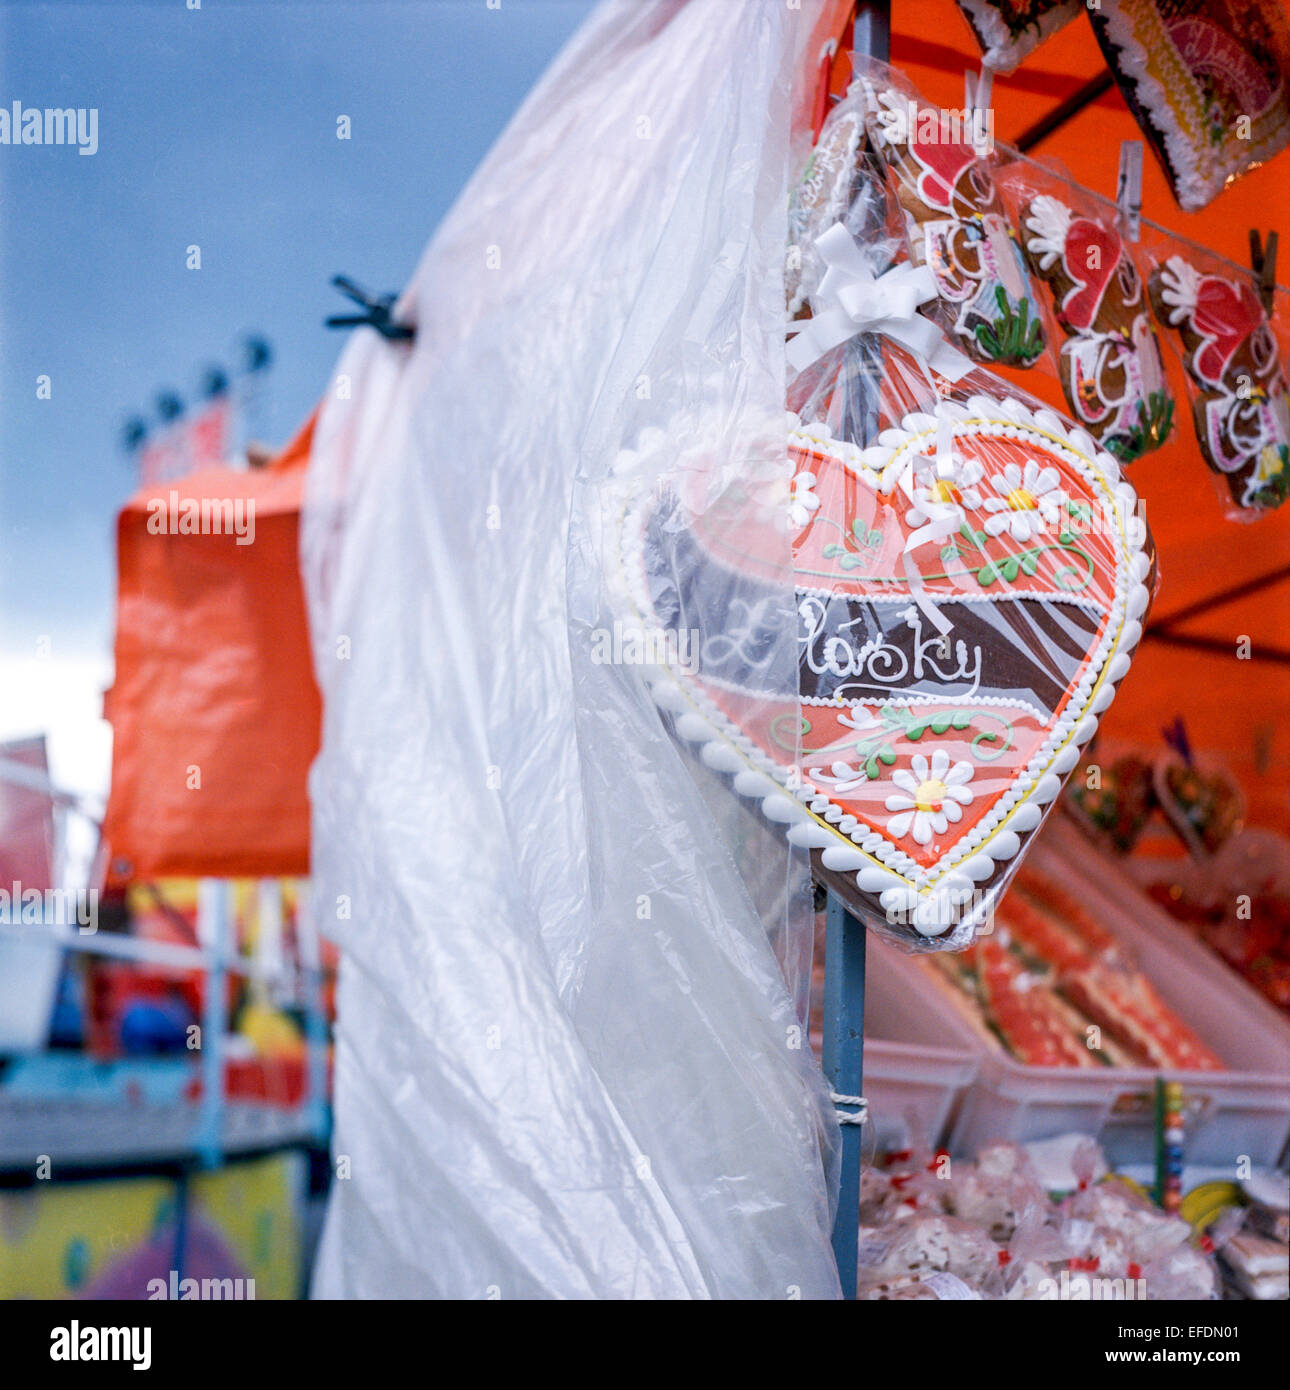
[977, 90]
[1128, 189]
[377, 312]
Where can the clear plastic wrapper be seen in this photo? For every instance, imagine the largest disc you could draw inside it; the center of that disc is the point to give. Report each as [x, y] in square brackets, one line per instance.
[1114, 1233]
[1108, 360]
[568, 1063]
[1001, 1192]
[989, 1226]
[1233, 362]
[955, 220]
[924, 1244]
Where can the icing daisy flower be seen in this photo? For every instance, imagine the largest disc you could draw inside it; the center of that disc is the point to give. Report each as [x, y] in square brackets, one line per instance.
[802, 501]
[960, 492]
[1029, 499]
[859, 719]
[930, 797]
[844, 778]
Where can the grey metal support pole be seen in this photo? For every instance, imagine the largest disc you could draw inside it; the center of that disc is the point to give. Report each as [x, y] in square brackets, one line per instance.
[872, 34]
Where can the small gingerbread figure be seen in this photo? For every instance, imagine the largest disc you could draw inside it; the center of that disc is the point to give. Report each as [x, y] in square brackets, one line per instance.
[1242, 403]
[1110, 364]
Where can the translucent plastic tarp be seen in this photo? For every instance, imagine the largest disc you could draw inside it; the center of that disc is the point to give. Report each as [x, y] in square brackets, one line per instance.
[570, 1061]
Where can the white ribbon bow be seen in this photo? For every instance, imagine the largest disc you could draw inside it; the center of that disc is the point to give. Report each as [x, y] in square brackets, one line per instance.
[853, 300]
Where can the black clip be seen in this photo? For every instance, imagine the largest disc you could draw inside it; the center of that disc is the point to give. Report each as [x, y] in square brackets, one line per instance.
[1263, 257]
[376, 315]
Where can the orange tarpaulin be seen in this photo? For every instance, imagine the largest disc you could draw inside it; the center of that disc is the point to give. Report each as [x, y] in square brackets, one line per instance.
[215, 712]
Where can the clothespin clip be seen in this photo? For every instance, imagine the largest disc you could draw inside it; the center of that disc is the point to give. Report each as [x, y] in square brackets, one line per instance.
[1128, 189]
[1263, 257]
[376, 312]
[977, 90]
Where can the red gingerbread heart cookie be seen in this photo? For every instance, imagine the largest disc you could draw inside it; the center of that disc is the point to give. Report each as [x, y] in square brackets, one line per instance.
[969, 591]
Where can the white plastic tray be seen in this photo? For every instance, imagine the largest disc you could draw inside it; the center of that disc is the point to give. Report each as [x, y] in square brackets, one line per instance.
[1240, 1113]
[914, 1091]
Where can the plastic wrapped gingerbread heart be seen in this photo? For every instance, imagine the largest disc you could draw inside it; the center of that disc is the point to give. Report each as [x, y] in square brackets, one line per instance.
[970, 590]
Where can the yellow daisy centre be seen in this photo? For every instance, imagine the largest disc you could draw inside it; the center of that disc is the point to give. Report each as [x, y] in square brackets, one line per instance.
[943, 490]
[929, 795]
[1021, 499]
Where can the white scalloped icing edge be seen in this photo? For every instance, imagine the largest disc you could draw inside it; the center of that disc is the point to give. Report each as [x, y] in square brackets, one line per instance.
[932, 896]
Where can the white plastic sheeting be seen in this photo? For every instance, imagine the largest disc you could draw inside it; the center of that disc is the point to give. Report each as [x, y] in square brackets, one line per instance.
[568, 1063]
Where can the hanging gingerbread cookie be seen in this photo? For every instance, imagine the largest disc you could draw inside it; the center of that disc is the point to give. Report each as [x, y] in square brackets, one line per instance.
[957, 224]
[1241, 402]
[821, 197]
[1208, 80]
[1110, 364]
[1009, 30]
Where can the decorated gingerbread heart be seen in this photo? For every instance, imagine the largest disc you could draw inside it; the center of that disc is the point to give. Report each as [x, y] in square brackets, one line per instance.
[958, 226]
[1241, 402]
[969, 591]
[1110, 365]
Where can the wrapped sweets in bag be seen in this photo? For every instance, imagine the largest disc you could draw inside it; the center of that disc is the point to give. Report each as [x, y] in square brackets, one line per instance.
[1233, 363]
[955, 220]
[1109, 361]
[972, 577]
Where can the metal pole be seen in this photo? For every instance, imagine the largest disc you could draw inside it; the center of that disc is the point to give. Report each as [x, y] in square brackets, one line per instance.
[845, 936]
[843, 1047]
[311, 966]
[871, 36]
[214, 927]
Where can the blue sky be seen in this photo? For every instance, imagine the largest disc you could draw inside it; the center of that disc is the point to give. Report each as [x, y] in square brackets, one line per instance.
[217, 127]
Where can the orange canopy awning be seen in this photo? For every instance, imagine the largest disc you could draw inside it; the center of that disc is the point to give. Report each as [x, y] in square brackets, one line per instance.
[215, 713]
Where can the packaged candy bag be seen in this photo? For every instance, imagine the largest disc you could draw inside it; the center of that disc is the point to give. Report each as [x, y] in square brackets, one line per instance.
[956, 222]
[1208, 80]
[971, 579]
[1109, 363]
[1240, 399]
[1009, 30]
